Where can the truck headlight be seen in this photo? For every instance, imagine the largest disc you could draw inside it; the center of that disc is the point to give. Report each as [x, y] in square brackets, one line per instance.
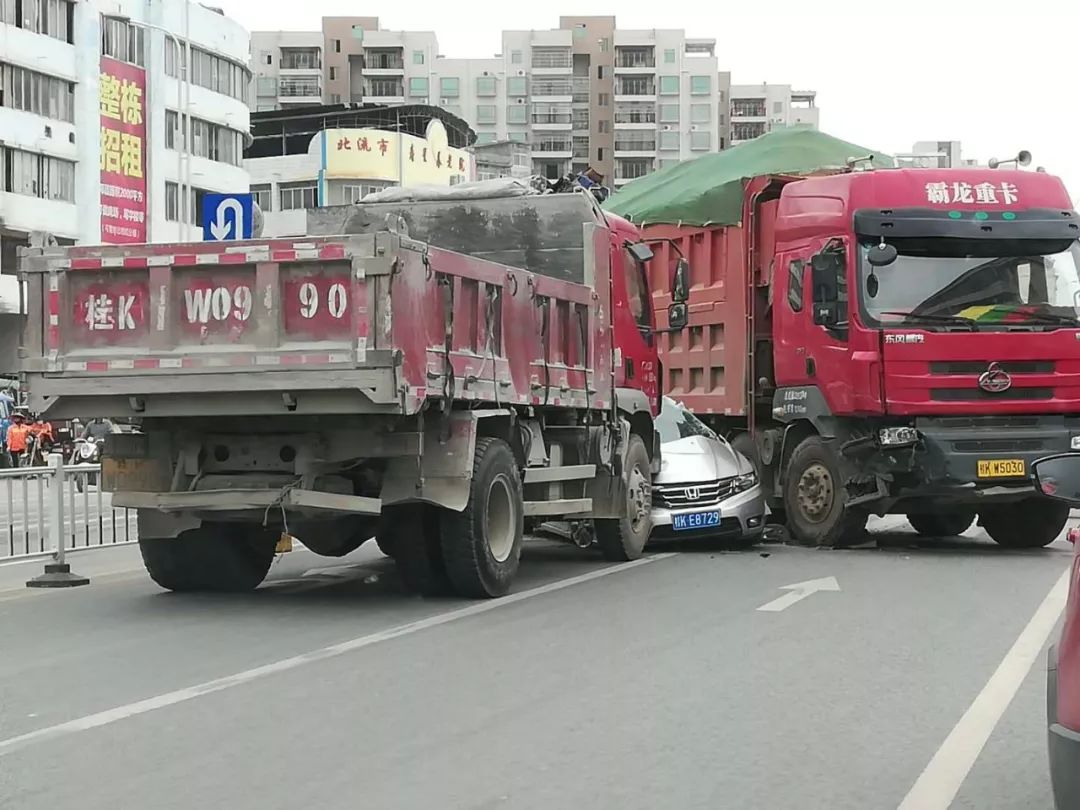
[745, 482]
[897, 436]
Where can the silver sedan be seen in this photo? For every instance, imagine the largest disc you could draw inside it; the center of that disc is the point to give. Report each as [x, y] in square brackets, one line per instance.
[705, 487]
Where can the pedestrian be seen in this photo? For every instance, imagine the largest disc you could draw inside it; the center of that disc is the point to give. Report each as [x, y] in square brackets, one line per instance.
[5, 458]
[17, 436]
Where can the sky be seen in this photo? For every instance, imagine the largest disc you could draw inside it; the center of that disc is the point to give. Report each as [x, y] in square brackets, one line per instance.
[887, 75]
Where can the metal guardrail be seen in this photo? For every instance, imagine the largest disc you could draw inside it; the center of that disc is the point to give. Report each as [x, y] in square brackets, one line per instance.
[44, 510]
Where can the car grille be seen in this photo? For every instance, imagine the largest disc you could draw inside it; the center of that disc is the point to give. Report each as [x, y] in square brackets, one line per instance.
[680, 496]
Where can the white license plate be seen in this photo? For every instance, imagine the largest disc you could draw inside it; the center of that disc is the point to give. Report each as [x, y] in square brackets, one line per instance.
[695, 520]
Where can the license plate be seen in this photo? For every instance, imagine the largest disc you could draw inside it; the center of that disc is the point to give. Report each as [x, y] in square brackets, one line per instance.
[695, 520]
[1001, 468]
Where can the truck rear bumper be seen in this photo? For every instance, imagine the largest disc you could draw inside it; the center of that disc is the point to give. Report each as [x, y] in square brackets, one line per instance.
[243, 500]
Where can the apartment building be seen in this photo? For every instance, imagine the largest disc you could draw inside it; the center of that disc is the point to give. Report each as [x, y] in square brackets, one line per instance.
[759, 108]
[936, 155]
[91, 149]
[586, 93]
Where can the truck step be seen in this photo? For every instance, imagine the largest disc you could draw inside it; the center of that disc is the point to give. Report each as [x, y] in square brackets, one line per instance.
[564, 506]
[572, 472]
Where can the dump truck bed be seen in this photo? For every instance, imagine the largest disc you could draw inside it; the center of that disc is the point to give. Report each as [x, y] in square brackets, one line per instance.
[332, 324]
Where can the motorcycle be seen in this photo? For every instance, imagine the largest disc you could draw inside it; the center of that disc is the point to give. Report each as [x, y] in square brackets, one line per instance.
[87, 451]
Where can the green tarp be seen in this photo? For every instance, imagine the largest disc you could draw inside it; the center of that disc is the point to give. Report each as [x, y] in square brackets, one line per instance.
[709, 190]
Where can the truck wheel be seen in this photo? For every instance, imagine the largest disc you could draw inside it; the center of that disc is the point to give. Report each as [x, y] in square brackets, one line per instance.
[814, 498]
[214, 557]
[385, 543]
[948, 524]
[411, 531]
[482, 544]
[1031, 523]
[623, 539]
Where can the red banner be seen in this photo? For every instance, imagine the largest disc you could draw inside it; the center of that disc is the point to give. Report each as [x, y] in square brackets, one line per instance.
[123, 152]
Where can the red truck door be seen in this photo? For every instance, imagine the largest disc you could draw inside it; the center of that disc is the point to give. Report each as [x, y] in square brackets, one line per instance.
[809, 349]
[635, 350]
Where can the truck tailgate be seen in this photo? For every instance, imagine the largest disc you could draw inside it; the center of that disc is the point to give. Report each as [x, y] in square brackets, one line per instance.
[184, 310]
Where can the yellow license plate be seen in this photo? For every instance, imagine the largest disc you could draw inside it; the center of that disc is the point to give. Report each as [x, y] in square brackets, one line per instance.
[1001, 468]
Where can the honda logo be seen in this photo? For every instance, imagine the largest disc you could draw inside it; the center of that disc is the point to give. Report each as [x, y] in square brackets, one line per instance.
[995, 379]
[693, 493]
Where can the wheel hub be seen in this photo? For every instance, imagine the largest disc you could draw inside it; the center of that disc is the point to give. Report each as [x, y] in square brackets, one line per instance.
[638, 497]
[815, 492]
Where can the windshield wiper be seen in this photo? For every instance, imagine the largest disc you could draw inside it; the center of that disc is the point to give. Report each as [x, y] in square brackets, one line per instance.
[923, 317]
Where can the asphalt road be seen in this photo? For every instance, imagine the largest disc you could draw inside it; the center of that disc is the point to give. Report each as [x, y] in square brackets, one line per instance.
[89, 516]
[653, 685]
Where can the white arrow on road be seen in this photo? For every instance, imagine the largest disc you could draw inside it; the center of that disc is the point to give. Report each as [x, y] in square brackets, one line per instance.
[798, 592]
[222, 225]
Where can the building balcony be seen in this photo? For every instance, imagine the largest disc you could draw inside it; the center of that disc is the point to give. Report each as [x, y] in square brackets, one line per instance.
[548, 124]
[371, 98]
[388, 63]
[635, 150]
[384, 71]
[300, 71]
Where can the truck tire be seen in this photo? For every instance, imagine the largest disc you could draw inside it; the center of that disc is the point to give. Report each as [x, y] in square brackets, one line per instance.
[623, 539]
[385, 543]
[214, 557]
[1031, 523]
[948, 524]
[411, 531]
[482, 544]
[814, 498]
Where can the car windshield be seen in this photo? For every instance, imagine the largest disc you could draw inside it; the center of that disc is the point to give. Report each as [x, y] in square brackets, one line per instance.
[675, 422]
[983, 283]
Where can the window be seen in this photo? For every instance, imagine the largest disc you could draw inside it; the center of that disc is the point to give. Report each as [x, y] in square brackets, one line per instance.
[268, 58]
[333, 73]
[795, 285]
[383, 88]
[266, 86]
[748, 107]
[517, 86]
[599, 153]
[292, 86]
[603, 99]
[449, 87]
[580, 32]
[700, 113]
[335, 98]
[54, 18]
[603, 126]
[262, 195]
[418, 86]
[298, 195]
[300, 59]
[418, 57]
[36, 175]
[669, 113]
[172, 207]
[122, 41]
[517, 114]
[37, 93]
[485, 86]
[518, 137]
[669, 56]
[669, 85]
[485, 137]
[209, 140]
[700, 85]
[515, 57]
[599, 71]
[337, 46]
[350, 193]
[605, 44]
[669, 140]
[485, 113]
[217, 73]
[700, 141]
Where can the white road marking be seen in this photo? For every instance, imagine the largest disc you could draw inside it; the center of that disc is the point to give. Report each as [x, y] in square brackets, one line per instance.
[937, 786]
[118, 713]
[798, 592]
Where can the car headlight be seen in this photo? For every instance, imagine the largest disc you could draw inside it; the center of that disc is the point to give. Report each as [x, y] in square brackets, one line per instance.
[745, 482]
[897, 436]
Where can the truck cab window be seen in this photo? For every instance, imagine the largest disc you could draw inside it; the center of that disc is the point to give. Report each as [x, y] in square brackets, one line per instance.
[637, 290]
[795, 285]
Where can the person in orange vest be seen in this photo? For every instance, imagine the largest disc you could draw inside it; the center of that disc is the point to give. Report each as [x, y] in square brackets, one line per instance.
[17, 435]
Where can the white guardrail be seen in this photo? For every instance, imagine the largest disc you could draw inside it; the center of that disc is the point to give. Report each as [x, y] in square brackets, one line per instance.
[48, 510]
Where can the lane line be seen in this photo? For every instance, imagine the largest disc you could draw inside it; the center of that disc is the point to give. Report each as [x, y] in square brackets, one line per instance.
[937, 786]
[119, 713]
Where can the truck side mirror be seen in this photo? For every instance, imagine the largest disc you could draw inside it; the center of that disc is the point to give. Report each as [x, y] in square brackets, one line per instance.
[677, 316]
[1058, 477]
[825, 268]
[680, 285]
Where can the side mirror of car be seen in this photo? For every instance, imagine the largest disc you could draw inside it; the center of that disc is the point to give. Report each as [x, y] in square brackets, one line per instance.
[1058, 477]
[680, 285]
[677, 316]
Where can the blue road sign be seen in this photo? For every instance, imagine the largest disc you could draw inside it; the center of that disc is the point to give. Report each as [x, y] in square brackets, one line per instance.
[227, 217]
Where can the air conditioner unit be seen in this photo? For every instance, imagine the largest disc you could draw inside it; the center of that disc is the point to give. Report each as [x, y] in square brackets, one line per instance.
[519, 100]
[666, 127]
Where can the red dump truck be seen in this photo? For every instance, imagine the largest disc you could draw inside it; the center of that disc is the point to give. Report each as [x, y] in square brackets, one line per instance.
[886, 341]
[341, 387]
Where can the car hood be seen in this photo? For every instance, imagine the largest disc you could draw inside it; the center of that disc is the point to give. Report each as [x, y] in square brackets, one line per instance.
[698, 458]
